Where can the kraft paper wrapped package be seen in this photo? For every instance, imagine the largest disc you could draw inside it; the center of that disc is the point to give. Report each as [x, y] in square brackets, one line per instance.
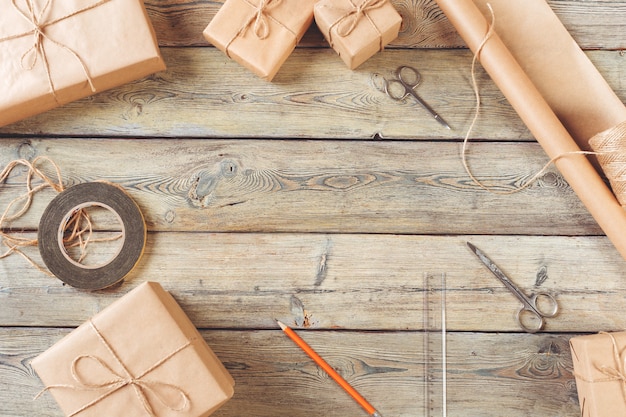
[357, 29]
[56, 51]
[139, 357]
[260, 34]
[599, 370]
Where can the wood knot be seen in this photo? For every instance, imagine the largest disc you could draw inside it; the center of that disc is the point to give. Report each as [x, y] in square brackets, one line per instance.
[202, 187]
[26, 151]
[550, 361]
[210, 186]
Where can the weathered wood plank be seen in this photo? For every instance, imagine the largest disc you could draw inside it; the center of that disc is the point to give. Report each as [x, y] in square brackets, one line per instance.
[204, 94]
[487, 373]
[317, 186]
[594, 24]
[359, 282]
[331, 235]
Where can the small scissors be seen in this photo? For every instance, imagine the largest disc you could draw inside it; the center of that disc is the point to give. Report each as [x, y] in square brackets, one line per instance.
[532, 308]
[404, 85]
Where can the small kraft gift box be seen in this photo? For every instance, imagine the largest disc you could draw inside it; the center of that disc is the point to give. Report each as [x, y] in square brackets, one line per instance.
[357, 29]
[139, 357]
[53, 52]
[260, 34]
[600, 373]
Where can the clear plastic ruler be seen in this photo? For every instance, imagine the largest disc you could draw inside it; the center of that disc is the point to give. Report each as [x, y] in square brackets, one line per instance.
[435, 358]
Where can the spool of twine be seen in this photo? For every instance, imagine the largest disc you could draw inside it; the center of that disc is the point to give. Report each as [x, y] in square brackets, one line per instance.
[79, 228]
[610, 148]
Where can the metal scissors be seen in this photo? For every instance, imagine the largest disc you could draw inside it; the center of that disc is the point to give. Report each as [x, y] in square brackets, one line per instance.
[535, 309]
[404, 85]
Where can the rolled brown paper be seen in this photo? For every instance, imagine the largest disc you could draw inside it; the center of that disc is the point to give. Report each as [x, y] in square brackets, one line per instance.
[539, 117]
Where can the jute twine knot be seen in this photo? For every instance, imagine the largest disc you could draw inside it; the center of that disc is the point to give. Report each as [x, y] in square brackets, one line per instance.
[118, 381]
[610, 147]
[30, 58]
[348, 22]
[261, 26]
[259, 21]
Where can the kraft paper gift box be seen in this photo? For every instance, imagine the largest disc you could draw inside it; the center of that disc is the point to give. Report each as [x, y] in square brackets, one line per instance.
[600, 373]
[357, 29]
[56, 51]
[139, 357]
[260, 34]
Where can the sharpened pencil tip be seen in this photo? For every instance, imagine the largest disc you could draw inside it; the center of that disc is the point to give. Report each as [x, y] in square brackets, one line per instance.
[281, 324]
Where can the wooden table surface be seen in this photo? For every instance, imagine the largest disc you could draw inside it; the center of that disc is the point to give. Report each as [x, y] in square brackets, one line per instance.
[317, 200]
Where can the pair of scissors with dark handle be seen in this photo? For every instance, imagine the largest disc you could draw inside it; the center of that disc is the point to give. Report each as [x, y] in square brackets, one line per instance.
[531, 306]
[402, 86]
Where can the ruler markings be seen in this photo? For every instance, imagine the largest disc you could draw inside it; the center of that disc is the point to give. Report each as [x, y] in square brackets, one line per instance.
[434, 345]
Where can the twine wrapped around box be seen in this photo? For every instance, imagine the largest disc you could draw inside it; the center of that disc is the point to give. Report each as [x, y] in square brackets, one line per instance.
[38, 32]
[261, 27]
[613, 374]
[260, 34]
[139, 357]
[57, 51]
[357, 29]
[600, 371]
[347, 23]
[118, 381]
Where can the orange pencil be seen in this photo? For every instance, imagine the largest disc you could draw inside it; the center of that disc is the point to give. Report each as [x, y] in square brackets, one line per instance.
[329, 370]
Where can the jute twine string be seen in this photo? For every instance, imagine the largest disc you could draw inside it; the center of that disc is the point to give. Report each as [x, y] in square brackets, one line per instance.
[259, 21]
[535, 177]
[349, 21]
[79, 228]
[613, 374]
[29, 58]
[140, 384]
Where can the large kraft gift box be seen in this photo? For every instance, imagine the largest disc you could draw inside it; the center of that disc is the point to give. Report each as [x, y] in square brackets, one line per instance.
[260, 34]
[357, 29]
[139, 357]
[54, 51]
[599, 369]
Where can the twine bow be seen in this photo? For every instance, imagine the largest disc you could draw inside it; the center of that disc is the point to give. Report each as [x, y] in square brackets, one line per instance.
[31, 56]
[118, 381]
[259, 21]
[261, 25]
[348, 22]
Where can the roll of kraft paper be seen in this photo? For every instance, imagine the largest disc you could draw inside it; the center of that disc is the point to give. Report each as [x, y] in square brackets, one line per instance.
[53, 225]
[554, 88]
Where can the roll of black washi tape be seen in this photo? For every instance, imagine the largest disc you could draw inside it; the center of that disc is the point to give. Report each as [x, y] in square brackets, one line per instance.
[54, 221]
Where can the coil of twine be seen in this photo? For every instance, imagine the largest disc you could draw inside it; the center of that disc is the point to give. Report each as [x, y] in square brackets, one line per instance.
[610, 148]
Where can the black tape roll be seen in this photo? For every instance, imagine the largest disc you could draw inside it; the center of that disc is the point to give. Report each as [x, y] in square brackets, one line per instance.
[54, 220]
